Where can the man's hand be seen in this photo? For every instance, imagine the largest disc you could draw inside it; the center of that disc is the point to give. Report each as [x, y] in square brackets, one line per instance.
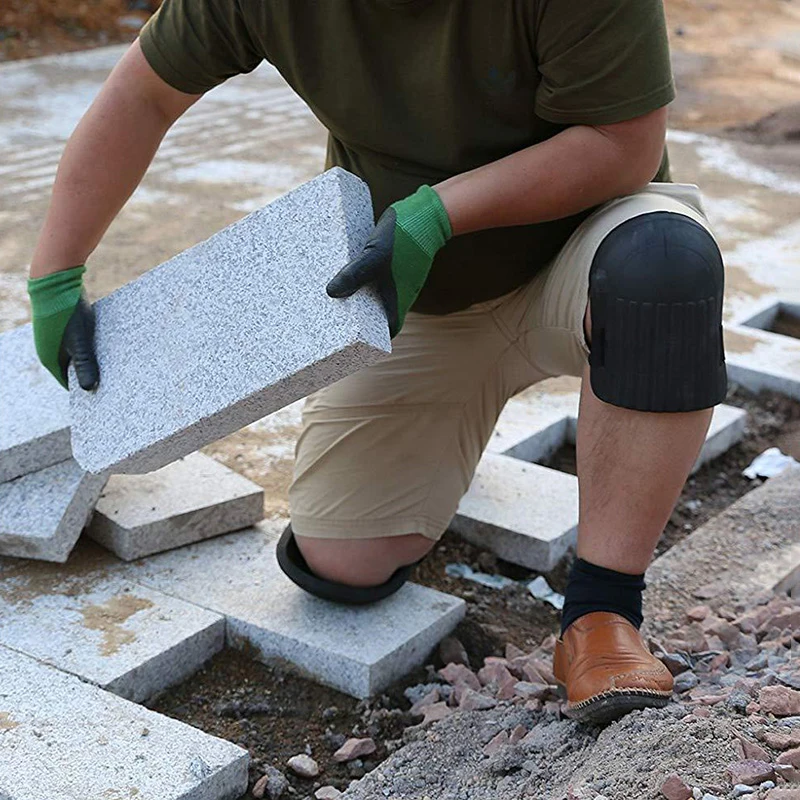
[398, 256]
[63, 326]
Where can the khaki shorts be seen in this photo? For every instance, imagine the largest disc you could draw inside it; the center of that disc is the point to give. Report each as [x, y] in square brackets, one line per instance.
[392, 449]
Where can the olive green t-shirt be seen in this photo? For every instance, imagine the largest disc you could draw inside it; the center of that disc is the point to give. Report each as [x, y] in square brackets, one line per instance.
[415, 91]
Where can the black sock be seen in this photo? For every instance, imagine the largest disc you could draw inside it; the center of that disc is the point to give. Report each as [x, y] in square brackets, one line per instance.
[592, 588]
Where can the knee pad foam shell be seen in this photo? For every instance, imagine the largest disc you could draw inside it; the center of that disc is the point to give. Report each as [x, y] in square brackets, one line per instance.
[655, 292]
[291, 561]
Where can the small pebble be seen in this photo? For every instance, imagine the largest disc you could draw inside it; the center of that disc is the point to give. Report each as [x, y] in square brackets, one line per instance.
[742, 789]
[685, 681]
[767, 785]
[303, 765]
[327, 793]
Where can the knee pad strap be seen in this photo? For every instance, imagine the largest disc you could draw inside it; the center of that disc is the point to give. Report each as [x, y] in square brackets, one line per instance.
[291, 561]
[655, 291]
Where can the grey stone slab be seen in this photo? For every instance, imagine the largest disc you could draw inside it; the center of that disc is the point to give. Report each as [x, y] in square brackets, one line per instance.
[34, 409]
[751, 548]
[42, 514]
[229, 331]
[727, 428]
[83, 618]
[526, 513]
[192, 499]
[358, 650]
[66, 739]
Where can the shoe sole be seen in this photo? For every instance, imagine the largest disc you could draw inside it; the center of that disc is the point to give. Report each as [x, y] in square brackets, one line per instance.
[610, 707]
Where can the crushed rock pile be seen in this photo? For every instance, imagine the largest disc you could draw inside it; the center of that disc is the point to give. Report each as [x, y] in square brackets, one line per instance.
[733, 730]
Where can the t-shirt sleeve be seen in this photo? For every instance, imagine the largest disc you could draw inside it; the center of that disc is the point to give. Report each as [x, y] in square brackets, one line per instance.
[194, 45]
[602, 61]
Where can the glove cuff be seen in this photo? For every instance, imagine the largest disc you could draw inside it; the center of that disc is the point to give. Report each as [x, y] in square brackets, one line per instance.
[424, 218]
[56, 292]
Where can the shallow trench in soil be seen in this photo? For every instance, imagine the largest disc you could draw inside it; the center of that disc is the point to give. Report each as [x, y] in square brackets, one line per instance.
[276, 714]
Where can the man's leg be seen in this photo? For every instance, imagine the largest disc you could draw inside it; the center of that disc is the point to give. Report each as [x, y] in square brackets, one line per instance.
[632, 466]
[385, 455]
[656, 370]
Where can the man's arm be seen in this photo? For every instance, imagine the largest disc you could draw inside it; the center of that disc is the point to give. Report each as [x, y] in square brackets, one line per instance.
[579, 168]
[105, 159]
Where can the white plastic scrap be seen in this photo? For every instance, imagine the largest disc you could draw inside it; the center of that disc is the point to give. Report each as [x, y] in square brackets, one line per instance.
[541, 590]
[465, 571]
[769, 464]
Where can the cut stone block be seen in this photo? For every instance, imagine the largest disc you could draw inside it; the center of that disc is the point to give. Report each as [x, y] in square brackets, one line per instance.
[188, 501]
[42, 514]
[83, 619]
[728, 425]
[751, 548]
[358, 650]
[758, 359]
[230, 331]
[525, 513]
[34, 409]
[63, 738]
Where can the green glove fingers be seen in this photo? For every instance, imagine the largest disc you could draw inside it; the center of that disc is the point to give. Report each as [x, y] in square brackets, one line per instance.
[63, 326]
[398, 255]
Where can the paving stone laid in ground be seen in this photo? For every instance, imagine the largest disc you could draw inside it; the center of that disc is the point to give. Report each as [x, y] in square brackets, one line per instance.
[188, 501]
[63, 739]
[525, 513]
[752, 547]
[727, 428]
[34, 409]
[760, 359]
[83, 618]
[179, 371]
[42, 514]
[359, 650]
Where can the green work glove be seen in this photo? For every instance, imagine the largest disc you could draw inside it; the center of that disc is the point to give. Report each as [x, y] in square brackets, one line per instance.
[63, 326]
[398, 255]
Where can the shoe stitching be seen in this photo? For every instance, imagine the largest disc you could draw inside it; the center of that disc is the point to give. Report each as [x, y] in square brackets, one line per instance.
[613, 692]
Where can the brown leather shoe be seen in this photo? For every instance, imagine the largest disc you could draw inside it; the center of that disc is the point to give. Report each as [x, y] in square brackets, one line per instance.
[606, 669]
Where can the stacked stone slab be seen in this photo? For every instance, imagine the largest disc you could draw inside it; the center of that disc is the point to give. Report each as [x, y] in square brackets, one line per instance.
[229, 331]
[34, 409]
[42, 514]
[192, 499]
[63, 738]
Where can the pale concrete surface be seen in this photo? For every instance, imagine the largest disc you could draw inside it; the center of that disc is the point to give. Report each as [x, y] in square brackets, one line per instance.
[728, 426]
[34, 409]
[63, 738]
[252, 139]
[229, 331]
[42, 514]
[192, 499]
[751, 548]
[526, 513]
[358, 650]
[84, 619]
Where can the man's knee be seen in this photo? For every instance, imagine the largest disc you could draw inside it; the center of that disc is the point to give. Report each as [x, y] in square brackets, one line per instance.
[655, 306]
[352, 571]
[362, 562]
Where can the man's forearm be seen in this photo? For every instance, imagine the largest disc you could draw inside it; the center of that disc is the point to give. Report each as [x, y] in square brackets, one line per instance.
[103, 162]
[575, 170]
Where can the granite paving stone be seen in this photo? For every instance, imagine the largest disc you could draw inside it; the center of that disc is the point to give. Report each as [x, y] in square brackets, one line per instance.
[65, 739]
[192, 499]
[34, 409]
[229, 331]
[525, 513]
[83, 618]
[357, 649]
[42, 514]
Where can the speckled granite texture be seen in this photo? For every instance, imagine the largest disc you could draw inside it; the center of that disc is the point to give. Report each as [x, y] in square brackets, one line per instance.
[42, 514]
[230, 331]
[34, 409]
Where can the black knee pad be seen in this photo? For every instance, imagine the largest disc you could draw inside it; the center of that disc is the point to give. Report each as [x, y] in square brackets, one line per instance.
[655, 292]
[291, 561]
